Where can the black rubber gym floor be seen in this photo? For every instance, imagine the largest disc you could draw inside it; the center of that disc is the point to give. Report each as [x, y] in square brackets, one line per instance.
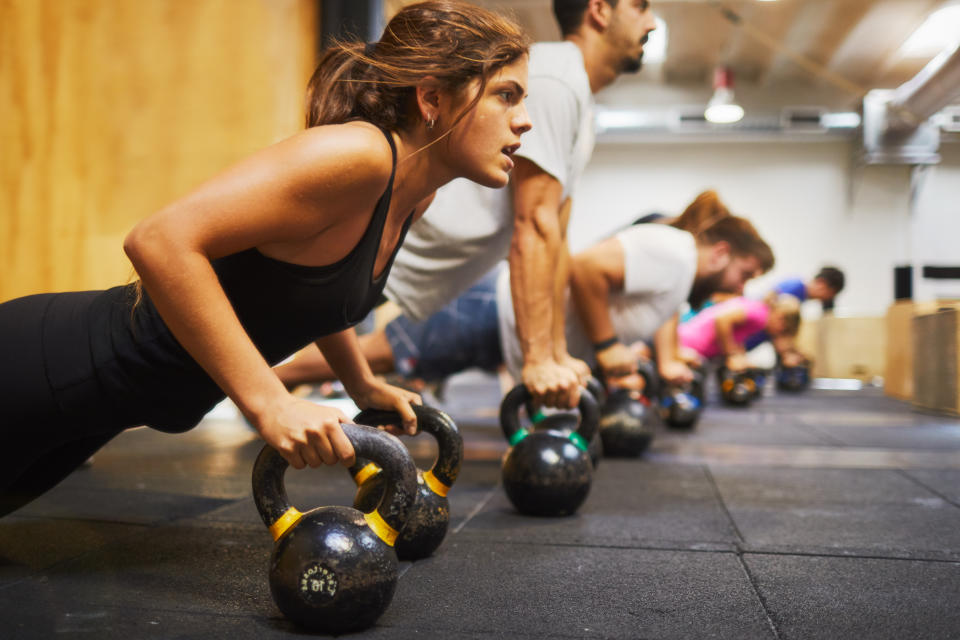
[821, 515]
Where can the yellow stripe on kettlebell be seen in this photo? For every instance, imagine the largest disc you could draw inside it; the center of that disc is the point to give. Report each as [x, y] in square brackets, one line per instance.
[750, 384]
[369, 470]
[435, 485]
[289, 518]
[728, 384]
[380, 527]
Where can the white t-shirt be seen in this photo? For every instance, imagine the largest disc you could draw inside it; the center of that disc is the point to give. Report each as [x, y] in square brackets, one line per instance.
[660, 263]
[468, 228]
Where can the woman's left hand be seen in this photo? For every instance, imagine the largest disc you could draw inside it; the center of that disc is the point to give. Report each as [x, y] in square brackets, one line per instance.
[377, 394]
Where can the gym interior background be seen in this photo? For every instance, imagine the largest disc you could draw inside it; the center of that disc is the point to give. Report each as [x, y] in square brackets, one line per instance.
[110, 109]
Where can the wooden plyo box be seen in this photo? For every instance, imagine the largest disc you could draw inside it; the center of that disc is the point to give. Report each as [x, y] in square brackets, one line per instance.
[850, 347]
[936, 360]
[898, 376]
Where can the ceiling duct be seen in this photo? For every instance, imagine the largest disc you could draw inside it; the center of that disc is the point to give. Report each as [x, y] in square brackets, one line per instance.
[898, 127]
[802, 119]
[949, 119]
[936, 86]
[688, 124]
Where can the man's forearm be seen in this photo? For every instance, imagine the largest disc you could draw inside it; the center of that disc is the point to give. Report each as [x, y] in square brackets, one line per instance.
[533, 265]
[666, 341]
[591, 302]
[560, 282]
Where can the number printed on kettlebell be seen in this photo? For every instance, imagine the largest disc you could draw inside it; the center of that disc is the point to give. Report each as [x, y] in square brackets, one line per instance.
[317, 583]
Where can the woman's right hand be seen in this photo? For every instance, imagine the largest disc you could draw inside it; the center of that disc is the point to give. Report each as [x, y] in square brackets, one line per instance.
[307, 434]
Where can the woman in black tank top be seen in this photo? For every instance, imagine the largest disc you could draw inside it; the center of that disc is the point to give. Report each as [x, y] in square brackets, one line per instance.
[290, 246]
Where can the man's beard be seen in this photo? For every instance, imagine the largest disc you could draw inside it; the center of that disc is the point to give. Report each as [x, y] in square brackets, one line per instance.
[703, 288]
[632, 65]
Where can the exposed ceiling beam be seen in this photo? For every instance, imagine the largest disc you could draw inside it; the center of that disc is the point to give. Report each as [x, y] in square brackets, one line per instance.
[751, 58]
[697, 40]
[816, 33]
[873, 42]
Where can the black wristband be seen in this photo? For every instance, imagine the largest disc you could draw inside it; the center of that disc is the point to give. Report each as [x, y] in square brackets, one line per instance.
[605, 344]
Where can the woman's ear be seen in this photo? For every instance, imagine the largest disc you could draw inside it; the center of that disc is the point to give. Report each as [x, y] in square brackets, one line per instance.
[429, 98]
[720, 255]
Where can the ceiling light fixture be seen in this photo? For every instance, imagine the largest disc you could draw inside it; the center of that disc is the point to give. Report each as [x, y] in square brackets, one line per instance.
[722, 108]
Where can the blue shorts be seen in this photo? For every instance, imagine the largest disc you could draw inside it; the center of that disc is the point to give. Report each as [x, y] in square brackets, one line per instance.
[463, 334]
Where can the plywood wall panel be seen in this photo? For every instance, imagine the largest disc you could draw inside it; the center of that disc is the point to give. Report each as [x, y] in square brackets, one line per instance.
[109, 109]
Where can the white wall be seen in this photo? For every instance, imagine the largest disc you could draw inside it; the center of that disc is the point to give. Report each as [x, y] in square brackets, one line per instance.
[799, 197]
[936, 224]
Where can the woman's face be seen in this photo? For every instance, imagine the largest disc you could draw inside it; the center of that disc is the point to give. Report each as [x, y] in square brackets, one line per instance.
[482, 145]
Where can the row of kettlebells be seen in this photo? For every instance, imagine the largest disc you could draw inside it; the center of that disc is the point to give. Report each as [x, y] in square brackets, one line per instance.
[743, 387]
[549, 467]
[334, 569]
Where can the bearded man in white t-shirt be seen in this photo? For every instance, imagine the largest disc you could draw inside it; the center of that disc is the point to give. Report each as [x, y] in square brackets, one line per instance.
[621, 288]
[631, 284]
[468, 228]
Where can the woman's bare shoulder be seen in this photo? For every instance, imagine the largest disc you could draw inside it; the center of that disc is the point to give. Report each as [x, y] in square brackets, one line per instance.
[354, 153]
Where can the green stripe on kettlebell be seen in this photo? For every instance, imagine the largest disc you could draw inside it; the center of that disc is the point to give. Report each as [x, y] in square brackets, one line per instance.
[578, 440]
[518, 436]
[538, 416]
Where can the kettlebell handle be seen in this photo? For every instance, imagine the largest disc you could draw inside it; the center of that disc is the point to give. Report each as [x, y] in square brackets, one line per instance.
[386, 520]
[445, 470]
[516, 397]
[596, 388]
[648, 372]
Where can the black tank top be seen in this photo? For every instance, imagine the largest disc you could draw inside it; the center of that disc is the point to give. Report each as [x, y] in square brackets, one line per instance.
[149, 378]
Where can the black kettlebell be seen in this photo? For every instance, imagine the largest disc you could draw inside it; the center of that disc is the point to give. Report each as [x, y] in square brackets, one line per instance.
[681, 408]
[681, 405]
[595, 448]
[736, 388]
[698, 384]
[759, 378]
[334, 569]
[625, 428]
[794, 379]
[428, 521]
[547, 472]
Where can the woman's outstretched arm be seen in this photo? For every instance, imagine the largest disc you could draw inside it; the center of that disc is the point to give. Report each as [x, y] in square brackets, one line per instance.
[297, 201]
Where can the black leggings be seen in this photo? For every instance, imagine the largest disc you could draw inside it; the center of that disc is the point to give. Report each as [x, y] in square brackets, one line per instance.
[47, 471]
[40, 445]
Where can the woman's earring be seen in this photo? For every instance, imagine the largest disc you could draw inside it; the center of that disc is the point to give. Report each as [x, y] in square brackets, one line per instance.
[430, 123]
